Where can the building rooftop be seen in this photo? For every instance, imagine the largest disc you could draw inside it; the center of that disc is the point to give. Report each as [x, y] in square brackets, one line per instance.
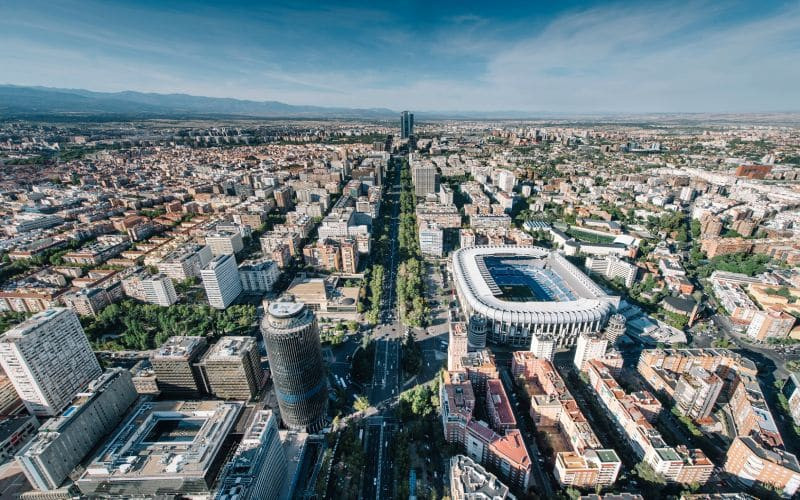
[496, 396]
[179, 347]
[165, 439]
[230, 348]
[285, 309]
[30, 324]
[474, 481]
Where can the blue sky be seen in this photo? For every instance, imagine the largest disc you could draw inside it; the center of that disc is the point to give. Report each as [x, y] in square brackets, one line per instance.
[562, 56]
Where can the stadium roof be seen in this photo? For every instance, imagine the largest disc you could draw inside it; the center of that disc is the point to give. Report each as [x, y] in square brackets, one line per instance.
[479, 289]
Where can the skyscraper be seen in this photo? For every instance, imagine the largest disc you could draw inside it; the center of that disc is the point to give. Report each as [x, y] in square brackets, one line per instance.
[406, 124]
[48, 359]
[291, 336]
[221, 281]
[425, 179]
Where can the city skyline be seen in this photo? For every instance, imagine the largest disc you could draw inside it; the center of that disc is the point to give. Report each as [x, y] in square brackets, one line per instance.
[574, 57]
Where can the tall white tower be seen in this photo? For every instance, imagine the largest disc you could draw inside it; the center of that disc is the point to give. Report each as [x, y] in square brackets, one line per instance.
[49, 360]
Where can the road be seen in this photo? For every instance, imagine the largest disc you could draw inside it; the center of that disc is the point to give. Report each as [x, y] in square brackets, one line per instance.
[386, 373]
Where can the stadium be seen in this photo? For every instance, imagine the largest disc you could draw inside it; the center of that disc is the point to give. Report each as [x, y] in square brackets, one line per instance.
[527, 291]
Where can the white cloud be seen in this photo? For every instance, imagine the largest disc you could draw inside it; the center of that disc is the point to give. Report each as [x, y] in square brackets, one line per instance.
[672, 58]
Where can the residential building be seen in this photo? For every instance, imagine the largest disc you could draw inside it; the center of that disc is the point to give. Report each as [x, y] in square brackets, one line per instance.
[425, 179]
[470, 481]
[583, 463]
[186, 262]
[589, 346]
[543, 346]
[612, 268]
[791, 391]
[634, 415]
[770, 324]
[498, 408]
[63, 442]
[431, 240]
[506, 452]
[258, 276]
[458, 345]
[10, 402]
[221, 281]
[49, 360]
[697, 392]
[159, 290]
[225, 242]
[751, 464]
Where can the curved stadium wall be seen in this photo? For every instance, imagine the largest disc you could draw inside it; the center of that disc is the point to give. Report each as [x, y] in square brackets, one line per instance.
[574, 304]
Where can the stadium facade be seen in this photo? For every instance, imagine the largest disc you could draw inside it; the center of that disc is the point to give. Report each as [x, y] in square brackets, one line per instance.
[529, 291]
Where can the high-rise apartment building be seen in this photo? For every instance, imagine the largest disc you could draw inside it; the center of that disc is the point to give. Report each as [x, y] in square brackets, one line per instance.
[589, 346]
[64, 441]
[470, 481]
[225, 242]
[425, 179]
[543, 346]
[232, 368]
[49, 360]
[186, 262]
[175, 366]
[291, 336]
[696, 392]
[283, 197]
[258, 276]
[406, 124]
[258, 469]
[159, 290]
[791, 390]
[431, 240]
[612, 267]
[221, 281]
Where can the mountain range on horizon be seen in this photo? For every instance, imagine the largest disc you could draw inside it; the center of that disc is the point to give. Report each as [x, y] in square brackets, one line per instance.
[20, 102]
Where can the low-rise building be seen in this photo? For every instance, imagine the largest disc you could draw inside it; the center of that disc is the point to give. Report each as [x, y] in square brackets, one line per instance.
[63, 442]
[163, 448]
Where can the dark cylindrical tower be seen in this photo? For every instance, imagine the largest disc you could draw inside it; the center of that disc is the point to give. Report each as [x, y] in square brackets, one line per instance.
[476, 332]
[291, 337]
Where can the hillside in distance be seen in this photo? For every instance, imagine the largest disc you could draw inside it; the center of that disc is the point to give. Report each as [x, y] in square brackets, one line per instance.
[22, 102]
